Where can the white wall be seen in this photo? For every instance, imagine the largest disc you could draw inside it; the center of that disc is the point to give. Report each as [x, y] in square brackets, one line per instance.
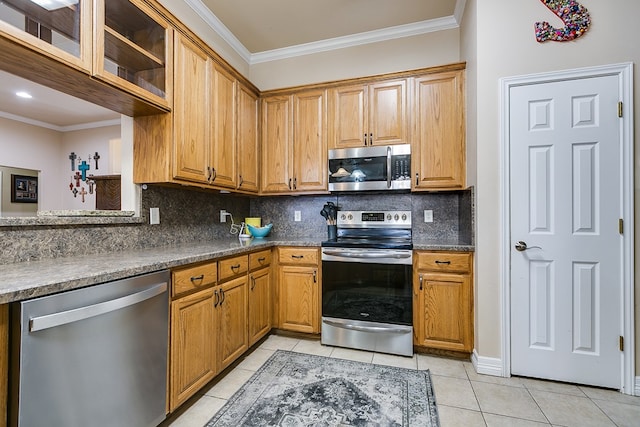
[85, 143]
[504, 45]
[408, 53]
[32, 147]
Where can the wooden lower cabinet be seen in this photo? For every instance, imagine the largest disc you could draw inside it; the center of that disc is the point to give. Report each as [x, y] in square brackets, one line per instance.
[232, 316]
[443, 301]
[193, 345]
[259, 295]
[299, 290]
[208, 324]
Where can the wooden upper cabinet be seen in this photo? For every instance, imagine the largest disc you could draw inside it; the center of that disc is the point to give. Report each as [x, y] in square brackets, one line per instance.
[310, 141]
[190, 112]
[62, 33]
[438, 148]
[373, 114]
[133, 46]
[222, 162]
[294, 147]
[248, 149]
[277, 145]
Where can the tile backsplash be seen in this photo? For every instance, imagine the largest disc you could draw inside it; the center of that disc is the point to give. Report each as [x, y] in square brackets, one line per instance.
[193, 216]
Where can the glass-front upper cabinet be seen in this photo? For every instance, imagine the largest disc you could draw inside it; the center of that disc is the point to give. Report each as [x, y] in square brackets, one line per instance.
[133, 46]
[60, 29]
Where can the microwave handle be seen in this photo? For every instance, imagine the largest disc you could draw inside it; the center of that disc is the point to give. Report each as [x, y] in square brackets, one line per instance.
[388, 167]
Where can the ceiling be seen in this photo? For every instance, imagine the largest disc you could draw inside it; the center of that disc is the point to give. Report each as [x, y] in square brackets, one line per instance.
[256, 29]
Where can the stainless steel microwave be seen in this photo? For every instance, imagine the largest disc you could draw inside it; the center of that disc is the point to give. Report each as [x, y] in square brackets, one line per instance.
[370, 168]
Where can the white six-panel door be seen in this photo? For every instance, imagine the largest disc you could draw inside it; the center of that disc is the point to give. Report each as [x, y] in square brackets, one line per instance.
[566, 249]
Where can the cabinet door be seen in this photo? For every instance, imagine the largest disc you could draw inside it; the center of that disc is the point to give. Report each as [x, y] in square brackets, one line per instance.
[133, 49]
[277, 167]
[298, 299]
[248, 143]
[438, 150]
[223, 127]
[193, 345]
[259, 304]
[190, 115]
[232, 315]
[310, 141]
[444, 313]
[62, 33]
[348, 117]
[388, 118]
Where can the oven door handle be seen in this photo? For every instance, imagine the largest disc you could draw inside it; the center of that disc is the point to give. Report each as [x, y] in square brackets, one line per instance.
[360, 328]
[368, 255]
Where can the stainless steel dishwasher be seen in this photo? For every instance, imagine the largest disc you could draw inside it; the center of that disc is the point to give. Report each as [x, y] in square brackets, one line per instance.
[95, 356]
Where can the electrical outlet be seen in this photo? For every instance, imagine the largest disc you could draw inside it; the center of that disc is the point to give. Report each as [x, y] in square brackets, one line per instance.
[428, 215]
[297, 216]
[154, 216]
[223, 215]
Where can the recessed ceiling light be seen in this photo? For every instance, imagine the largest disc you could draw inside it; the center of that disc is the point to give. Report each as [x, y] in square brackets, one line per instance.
[23, 94]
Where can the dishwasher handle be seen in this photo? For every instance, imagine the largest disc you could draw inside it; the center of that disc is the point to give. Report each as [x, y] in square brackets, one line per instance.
[64, 317]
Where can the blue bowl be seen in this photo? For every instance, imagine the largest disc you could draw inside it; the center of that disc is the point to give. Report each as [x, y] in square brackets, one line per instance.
[259, 231]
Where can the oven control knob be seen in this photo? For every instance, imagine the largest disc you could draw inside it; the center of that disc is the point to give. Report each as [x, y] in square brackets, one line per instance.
[350, 217]
[343, 217]
[396, 217]
[388, 217]
[404, 217]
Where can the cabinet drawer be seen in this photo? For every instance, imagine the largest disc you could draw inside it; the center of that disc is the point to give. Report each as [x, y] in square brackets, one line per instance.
[444, 261]
[193, 277]
[298, 256]
[259, 259]
[233, 267]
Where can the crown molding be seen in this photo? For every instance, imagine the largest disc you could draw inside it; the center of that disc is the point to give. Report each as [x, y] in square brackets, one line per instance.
[216, 24]
[57, 128]
[384, 34]
[400, 31]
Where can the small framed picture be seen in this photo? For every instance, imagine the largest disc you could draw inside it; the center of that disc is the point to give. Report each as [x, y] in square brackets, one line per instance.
[24, 189]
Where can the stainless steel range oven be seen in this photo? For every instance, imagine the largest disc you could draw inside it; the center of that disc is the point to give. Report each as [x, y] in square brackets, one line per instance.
[366, 283]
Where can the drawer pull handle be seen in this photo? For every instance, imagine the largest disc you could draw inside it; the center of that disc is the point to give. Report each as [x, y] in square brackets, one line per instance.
[223, 297]
[235, 267]
[253, 282]
[261, 260]
[443, 262]
[215, 303]
[315, 276]
[197, 278]
[417, 179]
[421, 280]
[297, 256]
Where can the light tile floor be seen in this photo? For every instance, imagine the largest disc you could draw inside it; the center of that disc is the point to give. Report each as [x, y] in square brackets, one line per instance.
[464, 398]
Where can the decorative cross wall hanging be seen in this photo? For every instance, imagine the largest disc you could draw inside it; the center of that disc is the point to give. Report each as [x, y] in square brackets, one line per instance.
[81, 174]
[575, 17]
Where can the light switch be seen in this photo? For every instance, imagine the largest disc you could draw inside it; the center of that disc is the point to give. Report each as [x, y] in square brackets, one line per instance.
[428, 215]
[297, 216]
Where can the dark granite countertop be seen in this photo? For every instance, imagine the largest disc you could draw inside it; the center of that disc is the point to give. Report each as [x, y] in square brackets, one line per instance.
[26, 280]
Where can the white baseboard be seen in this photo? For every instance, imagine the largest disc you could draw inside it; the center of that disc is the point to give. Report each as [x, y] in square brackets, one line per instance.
[490, 365]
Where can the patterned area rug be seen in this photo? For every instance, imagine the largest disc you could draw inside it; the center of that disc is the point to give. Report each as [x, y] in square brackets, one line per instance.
[295, 389]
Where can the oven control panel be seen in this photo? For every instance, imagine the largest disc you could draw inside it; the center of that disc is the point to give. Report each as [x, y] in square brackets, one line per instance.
[374, 219]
